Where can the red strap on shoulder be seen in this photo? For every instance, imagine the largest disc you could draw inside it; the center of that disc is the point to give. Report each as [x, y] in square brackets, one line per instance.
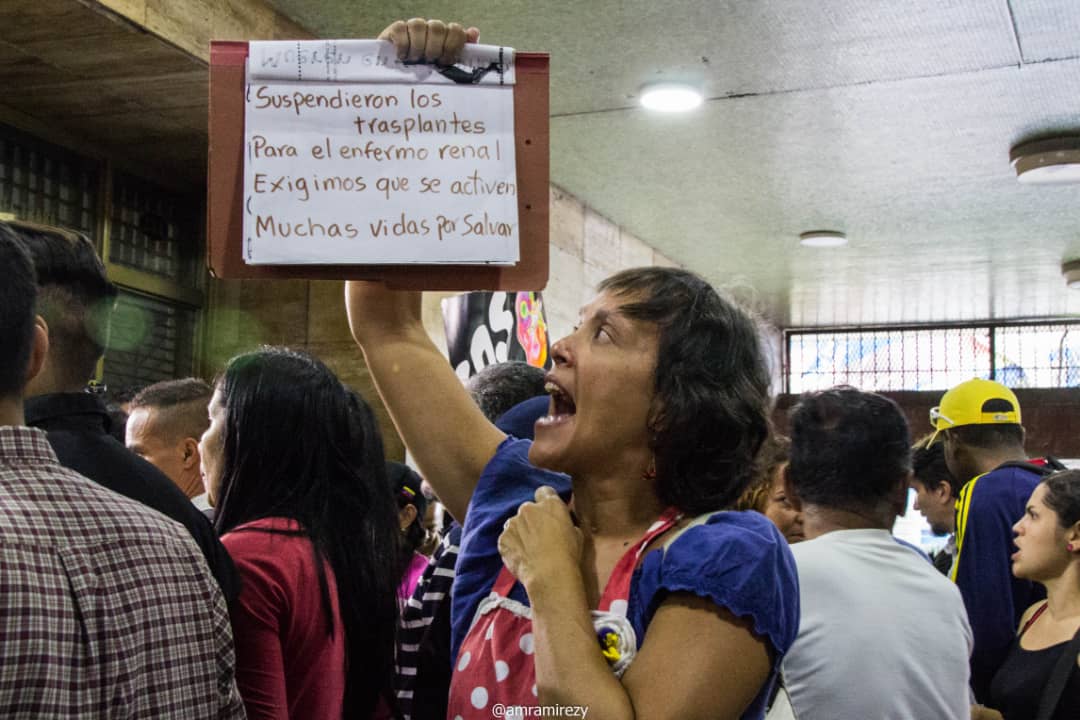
[504, 582]
[1033, 618]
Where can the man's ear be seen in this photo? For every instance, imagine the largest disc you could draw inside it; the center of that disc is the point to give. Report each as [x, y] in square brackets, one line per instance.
[789, 488]
[190, 456]
[943, 491]
[956, 452]
[39, 349]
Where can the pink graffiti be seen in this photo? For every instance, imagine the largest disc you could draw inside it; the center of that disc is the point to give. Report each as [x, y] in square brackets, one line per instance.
[531, 328]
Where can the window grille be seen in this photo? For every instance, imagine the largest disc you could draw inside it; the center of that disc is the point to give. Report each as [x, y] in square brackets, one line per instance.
[1039, 355]
[153, 230]
[883, 359]
[43, 183]
[151, 340]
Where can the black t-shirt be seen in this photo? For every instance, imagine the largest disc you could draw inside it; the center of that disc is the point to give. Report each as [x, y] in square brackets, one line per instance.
[1019, 683]
[77, 426]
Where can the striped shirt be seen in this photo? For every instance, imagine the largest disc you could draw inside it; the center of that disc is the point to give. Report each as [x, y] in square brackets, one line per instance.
[107, 608]
[415, 632]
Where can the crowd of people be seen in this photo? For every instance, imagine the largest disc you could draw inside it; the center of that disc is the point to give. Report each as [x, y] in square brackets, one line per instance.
[625, 535]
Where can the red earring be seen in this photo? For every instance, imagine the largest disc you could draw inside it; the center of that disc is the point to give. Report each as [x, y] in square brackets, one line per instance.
[1069, 547]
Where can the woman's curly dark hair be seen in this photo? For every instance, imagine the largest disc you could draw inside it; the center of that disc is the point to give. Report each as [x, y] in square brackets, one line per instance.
[709, 413]
[1063, 496]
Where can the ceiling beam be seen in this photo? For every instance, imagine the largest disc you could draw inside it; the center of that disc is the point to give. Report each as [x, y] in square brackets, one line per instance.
[191, 24]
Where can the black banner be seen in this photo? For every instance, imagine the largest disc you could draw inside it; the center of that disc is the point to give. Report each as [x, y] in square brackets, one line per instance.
[484, 328]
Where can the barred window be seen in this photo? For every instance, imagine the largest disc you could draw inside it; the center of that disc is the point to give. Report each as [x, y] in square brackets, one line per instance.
[1039, 355]
[1018, 355]
[151, 340]
[151, 240]
[44, 183]
[153, 230]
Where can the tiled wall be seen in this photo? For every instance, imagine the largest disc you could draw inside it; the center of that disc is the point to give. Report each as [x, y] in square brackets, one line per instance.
[586, 247]
[243, 314]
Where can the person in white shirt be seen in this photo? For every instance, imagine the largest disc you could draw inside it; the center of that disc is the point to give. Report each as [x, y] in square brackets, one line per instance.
[165, 423]
[883, 634]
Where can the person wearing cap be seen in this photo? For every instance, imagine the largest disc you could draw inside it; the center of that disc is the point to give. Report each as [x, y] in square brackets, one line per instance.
[979, 423]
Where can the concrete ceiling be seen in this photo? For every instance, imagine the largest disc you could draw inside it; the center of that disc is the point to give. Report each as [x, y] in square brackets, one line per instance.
[891, 121]
[76, 75]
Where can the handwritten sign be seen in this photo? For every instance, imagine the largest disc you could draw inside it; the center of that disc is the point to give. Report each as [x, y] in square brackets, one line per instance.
[353, 157]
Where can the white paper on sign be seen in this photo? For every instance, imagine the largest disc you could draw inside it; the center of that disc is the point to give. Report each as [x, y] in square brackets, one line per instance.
[372, 61]
[353, 157]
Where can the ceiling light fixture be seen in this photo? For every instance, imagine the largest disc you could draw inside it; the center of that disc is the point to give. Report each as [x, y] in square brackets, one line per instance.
[822, 238]
[670, 97]
[1046, 162]
[1071, 271]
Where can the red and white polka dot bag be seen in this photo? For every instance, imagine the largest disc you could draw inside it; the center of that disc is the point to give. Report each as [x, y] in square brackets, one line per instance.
[495, 665]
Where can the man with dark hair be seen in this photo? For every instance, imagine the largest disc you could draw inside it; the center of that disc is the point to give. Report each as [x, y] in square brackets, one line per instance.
[979, 423]
[17, 322]
[935, 496]
[107, 609]
[501, 386]
[75, 300]
[864, 595]
[165, 423]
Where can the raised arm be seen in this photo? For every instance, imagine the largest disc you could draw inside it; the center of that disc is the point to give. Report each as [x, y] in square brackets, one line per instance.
[443, 428]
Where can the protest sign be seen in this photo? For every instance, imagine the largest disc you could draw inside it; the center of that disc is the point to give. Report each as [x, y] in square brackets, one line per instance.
[226, 196]
[354, 157]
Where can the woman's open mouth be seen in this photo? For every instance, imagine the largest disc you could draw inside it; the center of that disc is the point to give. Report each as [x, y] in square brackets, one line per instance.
[562, 405]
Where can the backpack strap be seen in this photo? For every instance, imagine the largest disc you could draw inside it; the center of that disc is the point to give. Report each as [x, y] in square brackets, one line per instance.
[699, 520]
[1041, 470]
[677, 533]
[1054, 464]
[1059, 677]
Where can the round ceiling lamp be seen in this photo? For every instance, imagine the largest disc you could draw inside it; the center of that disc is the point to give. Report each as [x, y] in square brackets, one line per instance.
[822, 238]
[1047, 162]
[670, 97]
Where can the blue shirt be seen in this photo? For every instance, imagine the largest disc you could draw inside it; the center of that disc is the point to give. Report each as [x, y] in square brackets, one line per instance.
[736, 559]
[987, 509]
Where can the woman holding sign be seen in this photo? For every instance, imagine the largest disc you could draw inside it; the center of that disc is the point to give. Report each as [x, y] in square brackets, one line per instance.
[604, 526]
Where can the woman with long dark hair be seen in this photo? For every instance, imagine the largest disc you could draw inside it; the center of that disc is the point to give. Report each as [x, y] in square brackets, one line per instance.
[295, 469]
